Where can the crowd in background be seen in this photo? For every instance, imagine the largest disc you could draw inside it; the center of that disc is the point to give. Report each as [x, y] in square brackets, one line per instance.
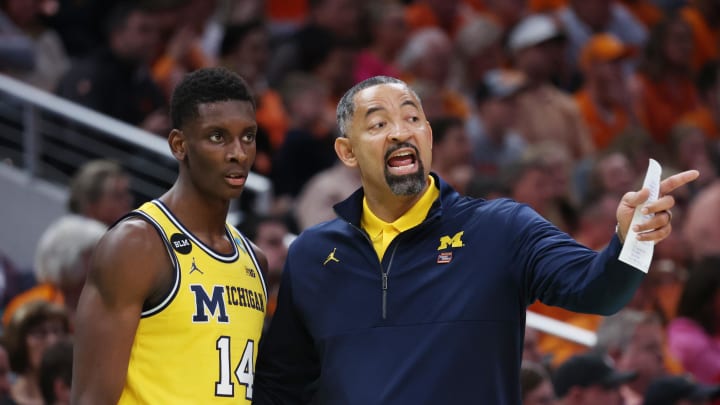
[555, 103]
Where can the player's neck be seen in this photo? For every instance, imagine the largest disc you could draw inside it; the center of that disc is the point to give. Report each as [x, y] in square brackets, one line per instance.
[199, 213]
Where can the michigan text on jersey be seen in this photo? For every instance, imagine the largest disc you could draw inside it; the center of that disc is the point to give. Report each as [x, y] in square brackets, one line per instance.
[215, 303]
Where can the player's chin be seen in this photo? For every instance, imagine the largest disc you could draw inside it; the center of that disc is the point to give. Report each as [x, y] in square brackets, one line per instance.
[231, 192]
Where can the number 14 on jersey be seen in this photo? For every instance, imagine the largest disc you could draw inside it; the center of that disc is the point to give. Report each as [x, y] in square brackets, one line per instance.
[244, 372]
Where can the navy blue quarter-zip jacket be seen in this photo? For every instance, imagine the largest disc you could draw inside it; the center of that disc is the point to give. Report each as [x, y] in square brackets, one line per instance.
[440, 320]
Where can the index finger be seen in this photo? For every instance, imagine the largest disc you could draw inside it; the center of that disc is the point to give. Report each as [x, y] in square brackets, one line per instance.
[678, 180]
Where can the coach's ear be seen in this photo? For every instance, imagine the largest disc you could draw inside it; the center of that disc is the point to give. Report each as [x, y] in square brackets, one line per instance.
[344, 151]
[176, 140]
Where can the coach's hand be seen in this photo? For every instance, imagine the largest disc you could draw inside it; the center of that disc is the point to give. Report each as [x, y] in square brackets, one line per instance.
[659, 226]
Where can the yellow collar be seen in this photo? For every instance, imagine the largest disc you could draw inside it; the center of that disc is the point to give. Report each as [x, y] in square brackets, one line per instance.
[382, 233]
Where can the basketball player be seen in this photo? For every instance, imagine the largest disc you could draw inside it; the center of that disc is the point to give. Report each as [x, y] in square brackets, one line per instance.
[174, 304]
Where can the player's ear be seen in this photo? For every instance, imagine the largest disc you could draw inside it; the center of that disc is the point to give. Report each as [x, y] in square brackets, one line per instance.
[344, 151]
[176, 140]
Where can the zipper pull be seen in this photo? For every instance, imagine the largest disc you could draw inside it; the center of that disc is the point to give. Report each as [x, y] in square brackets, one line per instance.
[384, 295]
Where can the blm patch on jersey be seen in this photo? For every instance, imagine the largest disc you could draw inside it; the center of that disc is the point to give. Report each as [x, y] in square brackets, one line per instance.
[181, 243]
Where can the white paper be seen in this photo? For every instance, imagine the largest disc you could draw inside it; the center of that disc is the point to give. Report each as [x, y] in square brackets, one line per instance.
[635, 252]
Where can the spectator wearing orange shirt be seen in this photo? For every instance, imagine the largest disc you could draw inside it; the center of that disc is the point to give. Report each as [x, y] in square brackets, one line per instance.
[665, 83]
[604, 98]
[582, 19]
[703, 16]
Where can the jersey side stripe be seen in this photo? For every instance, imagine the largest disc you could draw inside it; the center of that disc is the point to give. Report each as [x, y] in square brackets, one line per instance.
[176, 266]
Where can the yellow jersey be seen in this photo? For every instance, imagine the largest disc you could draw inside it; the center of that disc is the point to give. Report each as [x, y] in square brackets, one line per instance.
[199, 345]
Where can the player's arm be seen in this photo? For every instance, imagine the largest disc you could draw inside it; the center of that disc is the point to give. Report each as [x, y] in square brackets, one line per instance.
[129, 266]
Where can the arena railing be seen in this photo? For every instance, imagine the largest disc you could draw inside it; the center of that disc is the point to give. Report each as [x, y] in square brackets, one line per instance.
[49, 137]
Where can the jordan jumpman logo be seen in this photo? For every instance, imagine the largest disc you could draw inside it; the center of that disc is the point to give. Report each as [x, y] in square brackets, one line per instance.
[194, 267]
[332, 257]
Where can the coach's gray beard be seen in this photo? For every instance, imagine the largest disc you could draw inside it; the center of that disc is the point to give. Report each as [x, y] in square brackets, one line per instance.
[408, 184]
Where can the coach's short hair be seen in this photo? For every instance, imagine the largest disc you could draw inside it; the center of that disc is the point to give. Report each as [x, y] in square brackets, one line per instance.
[346, 106]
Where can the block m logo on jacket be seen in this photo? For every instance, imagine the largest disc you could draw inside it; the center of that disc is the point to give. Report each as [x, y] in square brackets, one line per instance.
[454, 241]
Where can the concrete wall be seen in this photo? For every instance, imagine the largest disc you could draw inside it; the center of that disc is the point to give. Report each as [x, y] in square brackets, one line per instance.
[27, 207]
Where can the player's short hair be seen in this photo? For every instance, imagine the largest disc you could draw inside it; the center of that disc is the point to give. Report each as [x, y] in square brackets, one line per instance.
[207, 85]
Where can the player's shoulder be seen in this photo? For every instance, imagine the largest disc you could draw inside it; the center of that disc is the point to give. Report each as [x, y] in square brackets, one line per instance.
[131, 259]
[131, 239]
[132, 230]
